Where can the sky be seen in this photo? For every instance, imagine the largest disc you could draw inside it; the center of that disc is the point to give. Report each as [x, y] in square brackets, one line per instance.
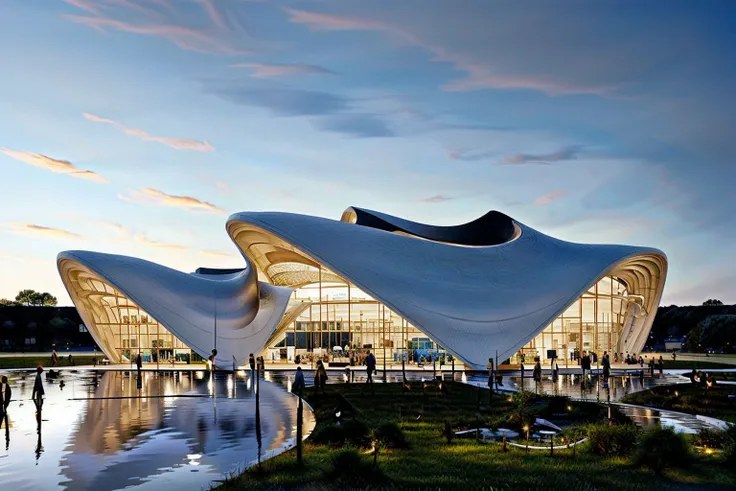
[137, 126]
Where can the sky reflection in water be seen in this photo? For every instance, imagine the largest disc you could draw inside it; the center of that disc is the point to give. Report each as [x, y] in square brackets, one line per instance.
[169, 434]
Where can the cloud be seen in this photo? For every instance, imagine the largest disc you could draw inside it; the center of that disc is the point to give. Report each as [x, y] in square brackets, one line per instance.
[480, 73]
[459, 154]
[54, 165]
[177, 143]
[120, 230]
[262, 70]
[357, 125]
[155, 197]
[550, 198]
[41, 231]
[439, 198]
[207, 252]
[283, 102]
[566, 153]
[159, 18]
[145, 240]
[222, 186]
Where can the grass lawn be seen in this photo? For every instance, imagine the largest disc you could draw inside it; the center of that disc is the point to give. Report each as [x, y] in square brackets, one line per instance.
[430, 462]
[34, 361]
[690, 399]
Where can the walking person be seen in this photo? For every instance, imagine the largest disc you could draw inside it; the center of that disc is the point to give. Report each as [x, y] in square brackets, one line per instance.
[38, 392]
[370, 367]
[5, 394]
[537, 374]
[139, 363]
[252, 365]
[606, 368]
[661, 366]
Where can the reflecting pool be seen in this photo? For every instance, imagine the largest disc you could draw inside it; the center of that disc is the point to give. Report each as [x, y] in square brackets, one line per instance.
[166, 430]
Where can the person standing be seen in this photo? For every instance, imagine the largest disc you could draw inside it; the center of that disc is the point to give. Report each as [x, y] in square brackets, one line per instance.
[212, 359]
[252, 365]
[585, 363]
[139, 363]
[5, 394]
[606, 368]
[38, 392]
[298, 386]
[661, 366]
[555, 369]
[54, 358]
[370, 366]
[320, 377]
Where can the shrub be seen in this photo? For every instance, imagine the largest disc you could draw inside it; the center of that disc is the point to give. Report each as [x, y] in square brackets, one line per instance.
[661, 448]
[729, 445]
[356, 433]
[328, 434]
[710, 438]
[349, 463]
[389, 435]
[612, 440]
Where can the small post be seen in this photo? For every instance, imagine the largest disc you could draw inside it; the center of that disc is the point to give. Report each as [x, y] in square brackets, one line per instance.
[551, 445]
[299, 429]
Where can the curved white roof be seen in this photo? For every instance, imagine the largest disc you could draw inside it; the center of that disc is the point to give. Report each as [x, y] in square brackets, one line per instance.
[474, 300]
[188, 305]
[481, 290]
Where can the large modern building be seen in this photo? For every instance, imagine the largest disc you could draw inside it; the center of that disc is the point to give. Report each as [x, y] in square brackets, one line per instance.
[491, 288]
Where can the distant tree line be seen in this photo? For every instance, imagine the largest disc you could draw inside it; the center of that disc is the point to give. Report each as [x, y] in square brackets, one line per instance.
[32, 322]
[31, 298]
[711, 325]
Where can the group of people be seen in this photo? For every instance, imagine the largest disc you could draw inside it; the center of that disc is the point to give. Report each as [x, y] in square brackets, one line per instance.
[705, 380]
[320, 375]
[55, 359]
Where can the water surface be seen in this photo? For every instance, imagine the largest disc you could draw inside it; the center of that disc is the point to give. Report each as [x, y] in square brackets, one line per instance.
[102, 431]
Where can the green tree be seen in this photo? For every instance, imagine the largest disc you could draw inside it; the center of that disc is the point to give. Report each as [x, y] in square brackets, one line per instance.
[32, 297]
[712, 302]
[4, 302]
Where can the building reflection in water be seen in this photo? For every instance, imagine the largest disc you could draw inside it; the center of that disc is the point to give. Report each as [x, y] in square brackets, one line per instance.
[163, 435]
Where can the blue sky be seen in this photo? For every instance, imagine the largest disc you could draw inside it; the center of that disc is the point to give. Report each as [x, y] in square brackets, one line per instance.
[137, 126]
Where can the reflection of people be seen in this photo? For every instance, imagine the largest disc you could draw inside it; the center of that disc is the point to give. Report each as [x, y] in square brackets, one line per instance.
[39, 445]
[38, 392]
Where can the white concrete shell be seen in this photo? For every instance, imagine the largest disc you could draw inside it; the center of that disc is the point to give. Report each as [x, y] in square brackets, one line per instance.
[479, 289]
[245, 311]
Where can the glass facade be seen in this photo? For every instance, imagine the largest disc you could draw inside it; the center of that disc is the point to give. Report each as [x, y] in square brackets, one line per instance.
[128, 330]
[594, 322]
[339, 320]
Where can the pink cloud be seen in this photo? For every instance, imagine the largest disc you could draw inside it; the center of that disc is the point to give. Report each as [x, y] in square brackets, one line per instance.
[160, 18]
[42, 231]
[262, 70]
[550, 198]
[178, 143]
[54, 165]
[479, 76]
[155, 197]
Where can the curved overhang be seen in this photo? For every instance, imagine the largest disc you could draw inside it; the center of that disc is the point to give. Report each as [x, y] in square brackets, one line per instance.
[477, 302]
[242, 311]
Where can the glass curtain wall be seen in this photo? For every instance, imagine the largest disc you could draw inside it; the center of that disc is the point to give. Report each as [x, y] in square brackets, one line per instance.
[133, 331]
[344, 322]
[593, 323]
